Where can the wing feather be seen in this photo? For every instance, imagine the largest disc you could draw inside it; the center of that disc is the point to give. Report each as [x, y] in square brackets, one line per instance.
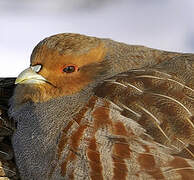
[163, 97]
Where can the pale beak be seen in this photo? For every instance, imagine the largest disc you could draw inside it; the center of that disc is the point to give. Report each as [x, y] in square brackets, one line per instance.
[30, 76]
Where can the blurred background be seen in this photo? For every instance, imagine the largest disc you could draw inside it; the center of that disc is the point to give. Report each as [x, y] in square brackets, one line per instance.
[161, 24]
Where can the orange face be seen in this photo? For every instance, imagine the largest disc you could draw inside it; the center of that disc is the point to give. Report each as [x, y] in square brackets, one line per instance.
[64, 73]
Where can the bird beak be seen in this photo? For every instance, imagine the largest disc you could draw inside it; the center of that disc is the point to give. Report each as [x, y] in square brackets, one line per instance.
[30, 76]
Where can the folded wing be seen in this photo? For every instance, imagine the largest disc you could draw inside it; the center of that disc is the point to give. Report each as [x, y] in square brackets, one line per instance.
[160, 100]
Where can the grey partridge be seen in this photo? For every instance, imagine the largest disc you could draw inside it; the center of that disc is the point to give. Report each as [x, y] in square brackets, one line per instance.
[91, 108]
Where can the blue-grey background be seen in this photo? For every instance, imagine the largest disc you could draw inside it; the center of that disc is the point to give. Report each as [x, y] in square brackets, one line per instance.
[162, 24]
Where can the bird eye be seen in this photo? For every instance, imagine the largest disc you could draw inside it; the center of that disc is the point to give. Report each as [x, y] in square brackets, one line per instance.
[70, 69]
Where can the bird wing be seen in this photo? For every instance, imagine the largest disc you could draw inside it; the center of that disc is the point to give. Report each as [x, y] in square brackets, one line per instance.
[160, 100]
[7, 126]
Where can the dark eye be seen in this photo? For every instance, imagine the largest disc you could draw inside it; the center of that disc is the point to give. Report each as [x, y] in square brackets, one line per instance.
[70, 69]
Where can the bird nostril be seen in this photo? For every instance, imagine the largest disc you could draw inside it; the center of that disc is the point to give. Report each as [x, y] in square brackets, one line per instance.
[36, 68]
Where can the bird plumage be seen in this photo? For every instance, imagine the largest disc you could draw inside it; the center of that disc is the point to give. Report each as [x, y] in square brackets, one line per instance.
[121, 112]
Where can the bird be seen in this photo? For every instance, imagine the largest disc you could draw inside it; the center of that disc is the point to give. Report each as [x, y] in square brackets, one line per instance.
[94, 108]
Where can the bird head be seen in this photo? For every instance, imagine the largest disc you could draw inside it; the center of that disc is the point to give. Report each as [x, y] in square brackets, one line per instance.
[61, 65]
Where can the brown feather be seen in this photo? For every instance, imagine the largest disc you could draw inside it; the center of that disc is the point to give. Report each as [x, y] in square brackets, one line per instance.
[159, 96]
